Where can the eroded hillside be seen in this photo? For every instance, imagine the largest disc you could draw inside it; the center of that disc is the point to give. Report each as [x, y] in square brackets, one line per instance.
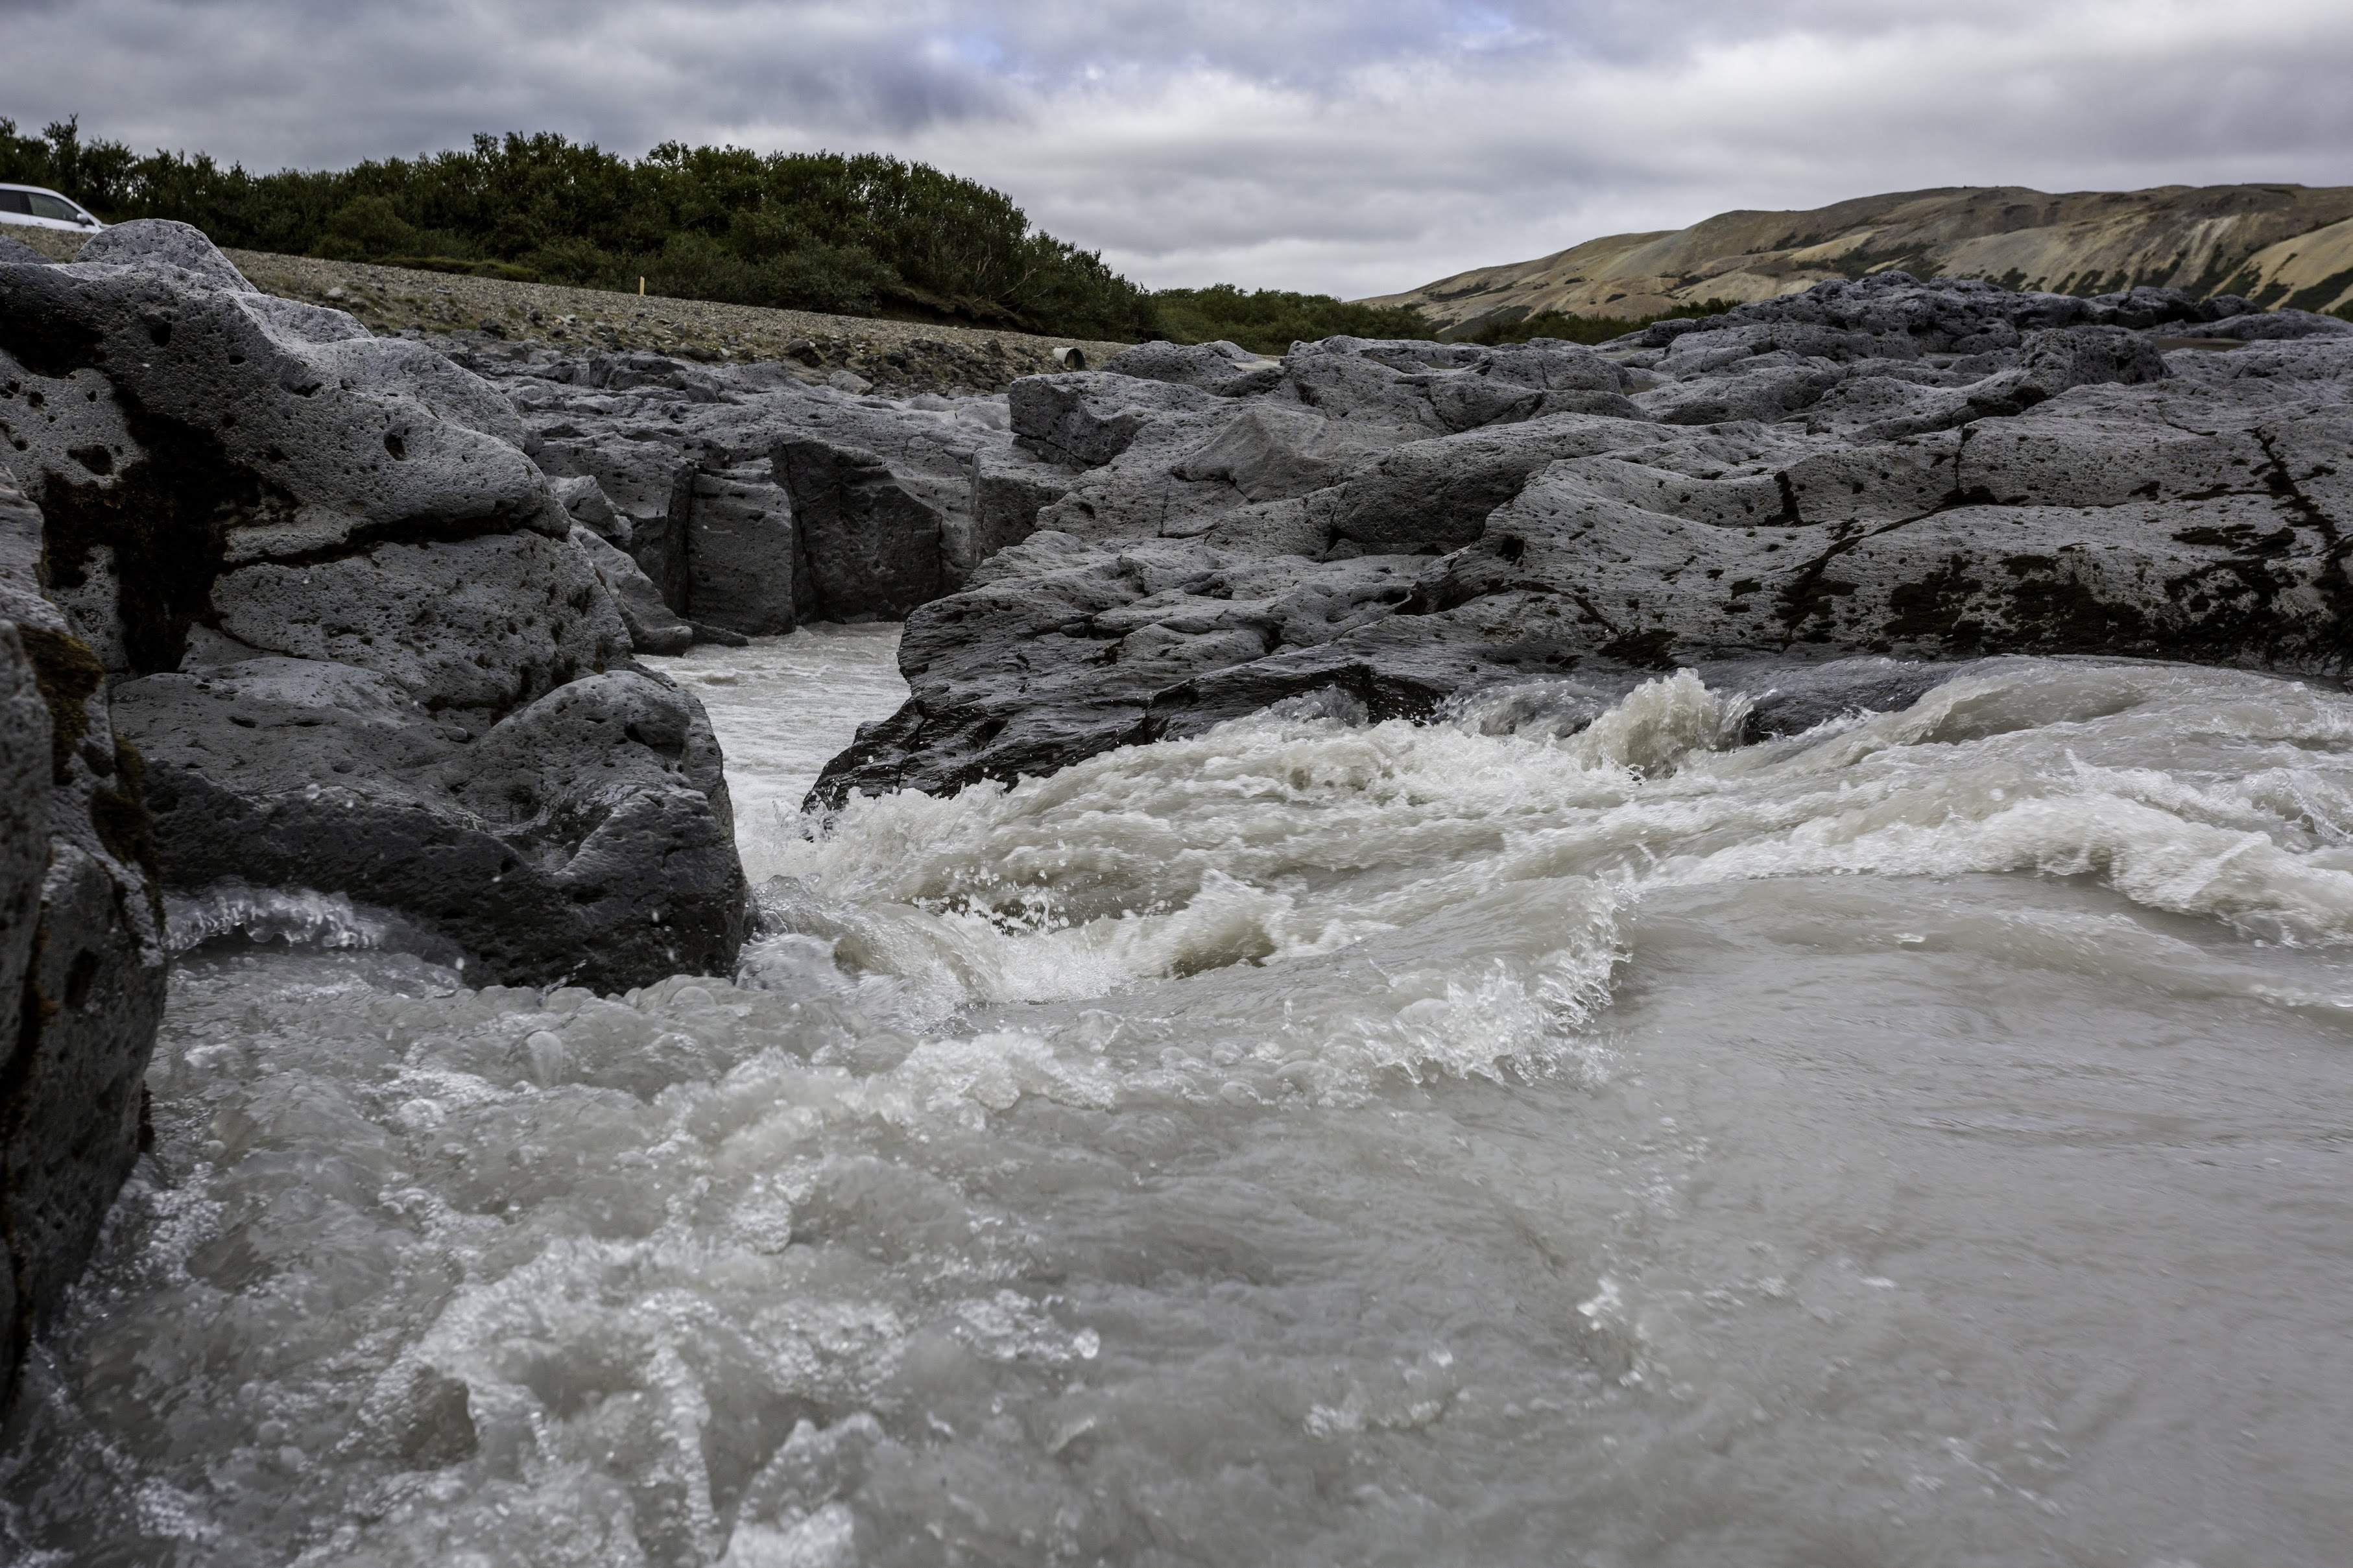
[2278, 245]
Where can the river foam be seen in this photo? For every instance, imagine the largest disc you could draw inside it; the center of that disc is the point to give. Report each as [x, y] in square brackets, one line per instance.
[1917, 1140]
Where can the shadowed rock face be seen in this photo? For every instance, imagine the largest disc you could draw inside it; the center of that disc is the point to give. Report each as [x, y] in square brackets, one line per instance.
[1874, 470]
[81, 944]
[349, 624]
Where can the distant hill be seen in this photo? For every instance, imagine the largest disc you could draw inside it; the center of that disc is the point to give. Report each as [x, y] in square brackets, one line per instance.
[2278, 245]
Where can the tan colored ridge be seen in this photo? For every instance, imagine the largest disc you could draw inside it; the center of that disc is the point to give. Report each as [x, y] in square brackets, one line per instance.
[2279, 245]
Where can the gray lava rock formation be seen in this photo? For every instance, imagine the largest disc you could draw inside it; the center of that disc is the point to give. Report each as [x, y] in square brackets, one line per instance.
[81, 944]
[1866, 471]
[1803, 499]
[363, 644]
[750, 500]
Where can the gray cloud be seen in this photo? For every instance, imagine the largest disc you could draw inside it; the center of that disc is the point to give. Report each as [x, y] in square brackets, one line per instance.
[1352, 147]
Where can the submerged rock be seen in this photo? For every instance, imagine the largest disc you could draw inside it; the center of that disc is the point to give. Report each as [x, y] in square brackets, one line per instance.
[365, 645]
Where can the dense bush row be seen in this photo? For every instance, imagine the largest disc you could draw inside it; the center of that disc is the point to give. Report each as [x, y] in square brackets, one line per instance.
[1269, 320]
[863, 235]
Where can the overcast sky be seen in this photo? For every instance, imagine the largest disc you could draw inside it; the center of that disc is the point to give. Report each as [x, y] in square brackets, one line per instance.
[1349, 148]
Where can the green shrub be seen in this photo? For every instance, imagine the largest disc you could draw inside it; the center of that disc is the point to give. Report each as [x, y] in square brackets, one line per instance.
[852, 233]
[1269, 320]
[366, 228]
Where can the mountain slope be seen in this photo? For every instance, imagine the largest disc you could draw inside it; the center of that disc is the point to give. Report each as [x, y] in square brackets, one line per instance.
[2280, 244]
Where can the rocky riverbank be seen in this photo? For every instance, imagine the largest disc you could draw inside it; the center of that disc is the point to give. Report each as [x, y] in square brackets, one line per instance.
[295, 610]
[1814, 499]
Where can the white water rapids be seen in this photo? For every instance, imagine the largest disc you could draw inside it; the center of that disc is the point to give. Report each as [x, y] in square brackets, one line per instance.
[1923, 1141]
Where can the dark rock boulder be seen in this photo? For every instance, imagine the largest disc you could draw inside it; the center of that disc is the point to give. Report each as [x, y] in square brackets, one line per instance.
[1226, 368]
[1086, 419]
[480, 624]
[583, 839]
[1437, 493]
[81, 944]
[234, 482]
[873, 546]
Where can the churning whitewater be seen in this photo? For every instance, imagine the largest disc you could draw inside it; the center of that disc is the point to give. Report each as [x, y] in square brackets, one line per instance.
[1558, 1132]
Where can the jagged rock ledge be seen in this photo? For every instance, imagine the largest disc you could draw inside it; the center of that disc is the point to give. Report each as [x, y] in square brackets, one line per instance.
[345, 619]
[81, 944]
[1807, 498]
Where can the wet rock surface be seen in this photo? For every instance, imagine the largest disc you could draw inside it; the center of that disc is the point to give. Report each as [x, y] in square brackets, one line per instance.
[1787, 497]
[364, 645]
[81, 944]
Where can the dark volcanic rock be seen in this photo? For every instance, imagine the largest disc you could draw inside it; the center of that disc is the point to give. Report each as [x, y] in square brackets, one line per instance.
[743, 554]
[902, 499]
[355, 632]
[873, 547]
[1879, 468]
[585, 838]
[1882, 476]
[81, 944]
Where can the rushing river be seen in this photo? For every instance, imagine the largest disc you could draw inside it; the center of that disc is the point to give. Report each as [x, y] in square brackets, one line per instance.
[1923, 1141]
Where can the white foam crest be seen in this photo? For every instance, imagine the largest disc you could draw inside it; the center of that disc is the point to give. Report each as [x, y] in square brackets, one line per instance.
[301, 916]
[2152, 857]
[1658, 725]
[1169, 860]
[1289, 835]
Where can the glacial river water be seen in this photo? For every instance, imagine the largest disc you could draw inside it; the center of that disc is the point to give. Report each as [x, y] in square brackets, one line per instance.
[1923, 1141]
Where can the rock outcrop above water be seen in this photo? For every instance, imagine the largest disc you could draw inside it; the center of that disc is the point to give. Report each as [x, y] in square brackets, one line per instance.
[81, 943]
[347, 620]
[750, 499]
[1874, 469]
[1787, 497]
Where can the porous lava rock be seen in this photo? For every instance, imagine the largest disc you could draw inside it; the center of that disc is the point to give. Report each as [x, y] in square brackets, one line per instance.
[346, 618]
[81, 944]
[1869, 471]
[1804, 494]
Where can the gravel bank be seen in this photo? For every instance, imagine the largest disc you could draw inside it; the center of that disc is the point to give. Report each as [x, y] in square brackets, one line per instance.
[895, 356]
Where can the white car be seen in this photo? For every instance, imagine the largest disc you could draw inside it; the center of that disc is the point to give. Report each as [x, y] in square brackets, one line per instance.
[34, 207]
